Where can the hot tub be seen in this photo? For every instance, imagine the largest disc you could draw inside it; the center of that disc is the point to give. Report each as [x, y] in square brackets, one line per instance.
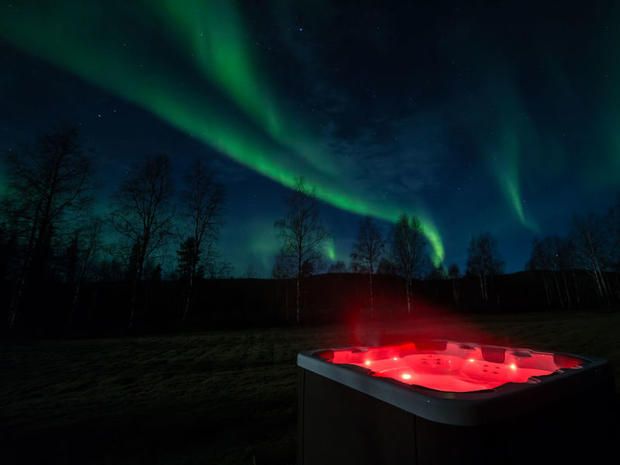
[435, 402]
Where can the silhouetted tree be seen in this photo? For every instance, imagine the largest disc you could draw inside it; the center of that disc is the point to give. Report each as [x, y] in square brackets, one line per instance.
[386, 267]
[203, 201]
[188, 260]
[552, 256]
[131, 268]
[484, 261]
[307, 268]
[438, 272]
[69, 259]
[109, 270]
[81, 254]
[337, 267]
[593, 250]
[143, 215]
[8, 252]
[409, 251]
[367, 251]
[613, 221]
[217, 269]
[283, 267]
[46, 185]
[250, 272]
[155, 274]
[302, 233]
[454, 272]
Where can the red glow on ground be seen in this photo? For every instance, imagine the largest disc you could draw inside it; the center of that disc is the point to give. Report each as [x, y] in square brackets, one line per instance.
[452, 366]
[426, 321]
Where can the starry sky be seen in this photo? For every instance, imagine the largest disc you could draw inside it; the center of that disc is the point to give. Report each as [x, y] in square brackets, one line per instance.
[486, 116]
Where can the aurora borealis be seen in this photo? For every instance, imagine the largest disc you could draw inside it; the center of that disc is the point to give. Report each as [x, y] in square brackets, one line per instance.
[477, 118]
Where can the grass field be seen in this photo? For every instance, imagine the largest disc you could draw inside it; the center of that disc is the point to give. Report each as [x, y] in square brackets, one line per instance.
[215, 397]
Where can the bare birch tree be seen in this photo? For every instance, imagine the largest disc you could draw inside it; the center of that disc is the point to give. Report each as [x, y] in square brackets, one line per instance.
[143, 215]
[203, 202]
[409, 251]
[483, 261]
[45, 186]
[613, 220]
[283, 270]
[303, 234]
[454, 274]
[592, 248]
[551, 256]
[88, 243]
[367, 251]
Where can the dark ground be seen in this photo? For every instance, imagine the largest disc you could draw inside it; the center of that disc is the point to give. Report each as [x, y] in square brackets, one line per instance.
[214, 397]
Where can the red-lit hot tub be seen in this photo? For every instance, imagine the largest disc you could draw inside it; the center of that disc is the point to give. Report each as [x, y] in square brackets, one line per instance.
[431, 402]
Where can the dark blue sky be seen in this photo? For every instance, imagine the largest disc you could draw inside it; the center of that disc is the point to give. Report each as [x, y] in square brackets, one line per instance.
[495, 116]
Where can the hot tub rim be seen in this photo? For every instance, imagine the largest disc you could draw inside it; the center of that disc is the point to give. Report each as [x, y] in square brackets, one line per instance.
[464, 408]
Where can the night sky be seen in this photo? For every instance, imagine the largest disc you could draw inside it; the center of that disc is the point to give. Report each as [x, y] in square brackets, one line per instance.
[491, 116]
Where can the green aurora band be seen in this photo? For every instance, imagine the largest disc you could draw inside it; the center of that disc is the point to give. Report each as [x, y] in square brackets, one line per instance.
[507, 172]
[330, 250]
[87, 40]
[510, 140]
[212, 31]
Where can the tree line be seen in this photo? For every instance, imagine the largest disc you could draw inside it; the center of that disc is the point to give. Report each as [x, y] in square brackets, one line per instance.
[53, 230]
[592, 244]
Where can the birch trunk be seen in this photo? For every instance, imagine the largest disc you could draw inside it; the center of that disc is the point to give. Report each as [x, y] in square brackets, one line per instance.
[408, 296]
[297, 300]
[372, 303]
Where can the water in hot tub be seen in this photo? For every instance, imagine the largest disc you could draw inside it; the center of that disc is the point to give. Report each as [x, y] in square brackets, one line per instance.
[452, 366]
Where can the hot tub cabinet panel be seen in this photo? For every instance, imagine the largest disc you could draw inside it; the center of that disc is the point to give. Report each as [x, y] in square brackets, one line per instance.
[350, 415]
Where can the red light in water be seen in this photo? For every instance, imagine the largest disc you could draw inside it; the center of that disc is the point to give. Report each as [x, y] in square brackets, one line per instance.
[448, 366]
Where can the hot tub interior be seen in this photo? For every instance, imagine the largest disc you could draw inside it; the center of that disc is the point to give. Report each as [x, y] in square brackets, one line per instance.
[452, 366]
